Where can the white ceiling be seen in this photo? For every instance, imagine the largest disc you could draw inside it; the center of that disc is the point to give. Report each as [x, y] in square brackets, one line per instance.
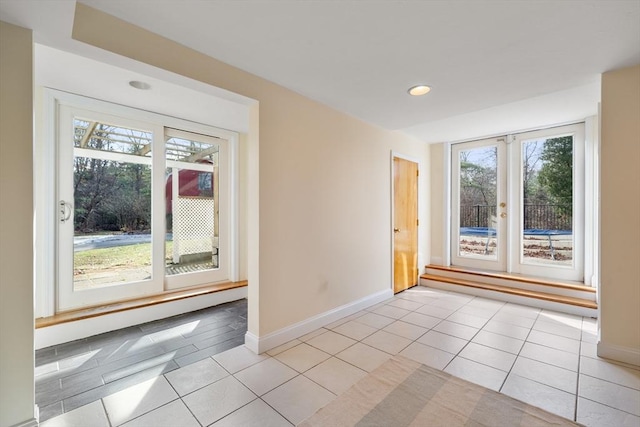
[494, 65]
[107, 82]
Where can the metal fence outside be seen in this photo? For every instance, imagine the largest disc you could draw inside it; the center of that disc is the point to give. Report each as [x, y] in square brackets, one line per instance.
[546, 217]
[476, 215]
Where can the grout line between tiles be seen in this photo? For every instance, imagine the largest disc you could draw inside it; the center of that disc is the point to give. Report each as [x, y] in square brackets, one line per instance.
[470, 339]
[106, 414]
[575, 408]
[520, 351]
[609, 406]
[276, 411]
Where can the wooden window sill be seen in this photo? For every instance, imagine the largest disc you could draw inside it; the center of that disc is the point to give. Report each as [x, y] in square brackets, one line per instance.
[132, 304]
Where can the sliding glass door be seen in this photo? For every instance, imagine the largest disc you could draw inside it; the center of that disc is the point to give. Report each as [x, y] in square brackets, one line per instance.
[196, 206]
[142, 208]
[108, 229]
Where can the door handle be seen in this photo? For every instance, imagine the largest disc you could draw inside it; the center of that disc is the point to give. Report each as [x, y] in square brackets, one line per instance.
[65, 211]
[396, 230]
[503, 215]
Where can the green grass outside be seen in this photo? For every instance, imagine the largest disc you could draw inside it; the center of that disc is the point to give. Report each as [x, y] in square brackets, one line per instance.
[120, 257]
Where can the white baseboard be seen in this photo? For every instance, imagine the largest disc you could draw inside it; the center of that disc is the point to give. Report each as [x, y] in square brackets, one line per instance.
[619, 353]
[65, 332]
[33, 422]
[265, 343]
[252, 343]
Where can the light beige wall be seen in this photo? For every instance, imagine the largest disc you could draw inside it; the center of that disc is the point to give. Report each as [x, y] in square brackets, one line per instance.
[620, 209]
[16, 226]
[324, 184]
[438, 201]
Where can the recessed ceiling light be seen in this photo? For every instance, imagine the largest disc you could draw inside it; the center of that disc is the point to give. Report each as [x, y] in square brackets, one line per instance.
[419, 90]
[139, 85]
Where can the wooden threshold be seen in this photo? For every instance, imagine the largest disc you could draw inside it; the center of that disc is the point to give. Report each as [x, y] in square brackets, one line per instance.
[579, 302]
[516, 278]
[132, 304]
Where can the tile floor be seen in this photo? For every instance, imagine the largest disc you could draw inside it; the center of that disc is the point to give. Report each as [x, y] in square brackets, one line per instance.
[544, 358]
[73, 374]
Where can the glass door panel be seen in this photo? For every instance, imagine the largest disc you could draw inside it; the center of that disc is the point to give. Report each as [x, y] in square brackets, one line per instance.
[193, 250]
[478, 201]
[112, 205]
[547, 188]
[105, 211]
[478, 191]
[548, 236]
[112, 223]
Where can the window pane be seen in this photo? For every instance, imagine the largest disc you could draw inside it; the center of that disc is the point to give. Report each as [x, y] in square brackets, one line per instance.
[191, 191]
[104, 137]
[112, 222]
[478, 201]
[547, 179]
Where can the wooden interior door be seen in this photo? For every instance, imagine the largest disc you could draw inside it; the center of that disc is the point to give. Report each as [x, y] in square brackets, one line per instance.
[405, 224]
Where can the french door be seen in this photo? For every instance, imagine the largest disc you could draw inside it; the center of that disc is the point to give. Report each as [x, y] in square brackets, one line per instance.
[518, 203]
[480, 204]
[142, 208]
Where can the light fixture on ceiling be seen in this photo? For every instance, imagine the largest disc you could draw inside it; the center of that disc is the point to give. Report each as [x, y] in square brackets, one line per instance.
[419, 90]
[139, 85]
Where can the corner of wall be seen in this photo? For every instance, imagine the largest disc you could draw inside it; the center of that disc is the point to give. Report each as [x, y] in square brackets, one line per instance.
[16, 228]
[619, 291]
